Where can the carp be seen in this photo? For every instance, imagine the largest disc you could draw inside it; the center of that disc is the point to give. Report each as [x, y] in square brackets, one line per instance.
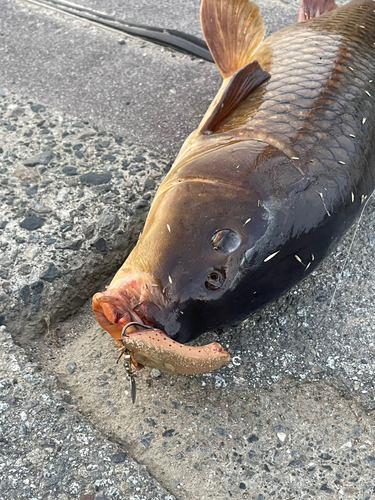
[276, 172]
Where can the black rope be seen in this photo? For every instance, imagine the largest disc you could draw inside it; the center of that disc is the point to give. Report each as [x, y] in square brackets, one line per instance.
[183, 42]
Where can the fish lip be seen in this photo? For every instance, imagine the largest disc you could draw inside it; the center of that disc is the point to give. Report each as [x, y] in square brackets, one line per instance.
[113, 313]
[128, 298]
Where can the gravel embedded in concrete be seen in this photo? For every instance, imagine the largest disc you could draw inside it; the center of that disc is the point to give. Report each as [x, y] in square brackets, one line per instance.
[65, 220]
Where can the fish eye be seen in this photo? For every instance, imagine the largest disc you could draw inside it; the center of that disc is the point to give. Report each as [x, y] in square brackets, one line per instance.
[225, 240]
[215, 279]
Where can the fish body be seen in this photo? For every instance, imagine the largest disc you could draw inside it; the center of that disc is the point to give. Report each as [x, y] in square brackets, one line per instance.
[277, 171]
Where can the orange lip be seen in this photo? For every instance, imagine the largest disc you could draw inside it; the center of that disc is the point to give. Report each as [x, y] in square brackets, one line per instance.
[110, 314]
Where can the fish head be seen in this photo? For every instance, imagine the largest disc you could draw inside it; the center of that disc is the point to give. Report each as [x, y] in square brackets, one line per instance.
[186, 272]
[188, 253]
[194, 247]
[204, 219]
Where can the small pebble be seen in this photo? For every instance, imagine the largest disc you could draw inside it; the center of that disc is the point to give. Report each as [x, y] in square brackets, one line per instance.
[51, 273]
[346, 446]
[281, 436]
[95, 179]
[32, 223]
[39, 159]
[62, 194]
[155, 373]
[100, 245]
[32, 252]
[38, 108]
[70, 170]
[71, 367]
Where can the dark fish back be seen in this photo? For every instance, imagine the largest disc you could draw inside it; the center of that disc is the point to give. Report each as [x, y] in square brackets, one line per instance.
[318, 105]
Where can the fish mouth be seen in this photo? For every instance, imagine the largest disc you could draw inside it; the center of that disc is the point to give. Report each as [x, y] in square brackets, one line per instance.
[136, 301]
[112, 314]
[130, 297]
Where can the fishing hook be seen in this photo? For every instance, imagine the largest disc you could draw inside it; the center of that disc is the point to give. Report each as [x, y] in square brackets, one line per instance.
[131, 324]
[127, 359]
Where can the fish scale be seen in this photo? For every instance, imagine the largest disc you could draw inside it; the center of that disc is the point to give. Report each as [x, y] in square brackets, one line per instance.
[315, 117]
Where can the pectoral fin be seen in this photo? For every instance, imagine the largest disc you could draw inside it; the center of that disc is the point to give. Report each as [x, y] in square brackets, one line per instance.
[242, 83]
[233, 30]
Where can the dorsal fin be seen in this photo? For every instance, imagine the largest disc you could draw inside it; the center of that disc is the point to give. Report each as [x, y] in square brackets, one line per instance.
[233, 30]
[244, 81]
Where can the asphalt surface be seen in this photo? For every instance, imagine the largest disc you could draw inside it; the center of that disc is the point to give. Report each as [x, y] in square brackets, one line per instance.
[290, 417]
[143, 92]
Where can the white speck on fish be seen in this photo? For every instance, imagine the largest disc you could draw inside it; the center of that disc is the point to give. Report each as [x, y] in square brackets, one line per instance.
[352, 197]
[363, 27]
[370, 81]
[294, 158]
[299, 260]
[308, 265]
[324, 204]
[342, 162]
[271, 256]
[351, 69]
[368, 93]
[312, 257]
[169, 227]
[364, 120]
[352, 135]
[248, 220]
[170, 279]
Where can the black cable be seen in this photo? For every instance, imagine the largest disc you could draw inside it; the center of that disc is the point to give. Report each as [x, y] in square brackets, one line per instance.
[175, 39]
